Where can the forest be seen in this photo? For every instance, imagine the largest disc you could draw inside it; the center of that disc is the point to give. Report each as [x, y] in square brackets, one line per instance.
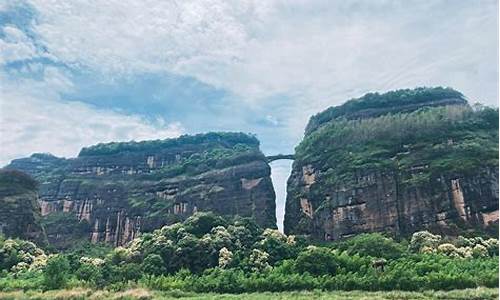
[210, 254]
[446, 140]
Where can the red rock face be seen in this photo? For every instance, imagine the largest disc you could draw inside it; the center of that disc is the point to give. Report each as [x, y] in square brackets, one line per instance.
[396, 162]
[379, 203]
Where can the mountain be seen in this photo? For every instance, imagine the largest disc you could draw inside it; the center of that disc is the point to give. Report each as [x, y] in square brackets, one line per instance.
[396, 162]
[20, 212]
[113, 191]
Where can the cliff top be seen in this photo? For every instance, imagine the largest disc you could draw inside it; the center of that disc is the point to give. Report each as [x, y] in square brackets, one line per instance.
[226, 139]
[375, 104]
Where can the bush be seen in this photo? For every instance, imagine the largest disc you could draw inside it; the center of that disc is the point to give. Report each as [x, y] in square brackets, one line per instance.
[236, 256]
[374, 245]
[317, 261]
[153, 264]
[424, 239]
[56, 272]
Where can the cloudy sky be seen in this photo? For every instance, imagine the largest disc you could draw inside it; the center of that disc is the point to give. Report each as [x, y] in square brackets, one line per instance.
[74, 73]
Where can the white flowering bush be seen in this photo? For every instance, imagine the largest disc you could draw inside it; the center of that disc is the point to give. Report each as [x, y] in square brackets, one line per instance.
[479, 251]
[123, 255]
[451, 250]
[461, 247]
[225, 257]
[464, 252]
[491, 246]
[277, 245]
[220, 237]
[39, 262]
[92, 261]
[447, 249]
[274, 234]
[19, 256]
[424, 238]
[427, 250]
[478, 246]
[259, 260]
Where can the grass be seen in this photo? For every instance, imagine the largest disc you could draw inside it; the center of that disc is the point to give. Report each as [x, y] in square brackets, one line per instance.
[76, 294]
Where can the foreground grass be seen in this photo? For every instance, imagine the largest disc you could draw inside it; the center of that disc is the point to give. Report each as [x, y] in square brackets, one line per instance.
[144, 294]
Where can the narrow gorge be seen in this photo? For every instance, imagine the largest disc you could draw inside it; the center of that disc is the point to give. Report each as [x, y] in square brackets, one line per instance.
[396, 163]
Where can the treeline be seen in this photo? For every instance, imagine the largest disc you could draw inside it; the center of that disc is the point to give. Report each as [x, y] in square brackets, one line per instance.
[447, 140]
[223, 139]
[389, 101]
[213, 158]
[207, 253]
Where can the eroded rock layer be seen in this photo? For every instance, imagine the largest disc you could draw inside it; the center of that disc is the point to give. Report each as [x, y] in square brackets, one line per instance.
[112, 192]
[431, 164]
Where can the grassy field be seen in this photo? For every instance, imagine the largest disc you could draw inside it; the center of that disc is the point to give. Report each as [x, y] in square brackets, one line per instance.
[467, 294]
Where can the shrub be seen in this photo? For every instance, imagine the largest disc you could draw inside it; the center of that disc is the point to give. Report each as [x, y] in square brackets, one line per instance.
[317, 261]
[259, 260]
[225, 257]
[422, 239]
[56, 272]
[374, 245]
[153, 264]
[277, 245]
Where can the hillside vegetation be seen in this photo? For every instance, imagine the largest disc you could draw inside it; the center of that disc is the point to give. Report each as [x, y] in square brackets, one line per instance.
[375, 104]
[445, 140]
[207, 253]
[228, 139]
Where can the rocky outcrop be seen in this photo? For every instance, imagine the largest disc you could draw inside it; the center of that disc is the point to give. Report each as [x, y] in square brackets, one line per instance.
[121, 189]
[432, 167]
[20, 213]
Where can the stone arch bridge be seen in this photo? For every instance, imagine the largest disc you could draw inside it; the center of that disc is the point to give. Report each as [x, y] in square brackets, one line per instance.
[272, 158]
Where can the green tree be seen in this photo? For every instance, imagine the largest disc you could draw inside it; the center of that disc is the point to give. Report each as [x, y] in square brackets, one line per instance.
[153, 264]
[56, 272]
[316, 261]
[373, 244]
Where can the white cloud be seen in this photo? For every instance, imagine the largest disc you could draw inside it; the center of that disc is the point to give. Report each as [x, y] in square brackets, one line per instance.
[256, 49]
[15, 46]
[33, 119]
[317, 53]
[145, 36]
[314, 53]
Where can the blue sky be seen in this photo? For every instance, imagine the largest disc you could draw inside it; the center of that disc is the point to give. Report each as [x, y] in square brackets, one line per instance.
[74, 73]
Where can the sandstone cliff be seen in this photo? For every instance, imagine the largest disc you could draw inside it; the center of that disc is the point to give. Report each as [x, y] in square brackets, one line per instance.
[20, 212]
[111, 192]
[396, 162]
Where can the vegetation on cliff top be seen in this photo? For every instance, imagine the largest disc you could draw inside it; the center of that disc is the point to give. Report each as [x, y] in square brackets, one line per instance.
[435, 140]
[389, 101]
[224, 139]
[210, 159]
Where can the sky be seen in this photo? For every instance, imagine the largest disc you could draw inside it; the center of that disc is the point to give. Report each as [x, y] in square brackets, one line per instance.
[76, 73]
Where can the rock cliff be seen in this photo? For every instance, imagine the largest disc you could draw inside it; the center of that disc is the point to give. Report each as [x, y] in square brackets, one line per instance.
[396, 162]
[20, 212]
[111, 192]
